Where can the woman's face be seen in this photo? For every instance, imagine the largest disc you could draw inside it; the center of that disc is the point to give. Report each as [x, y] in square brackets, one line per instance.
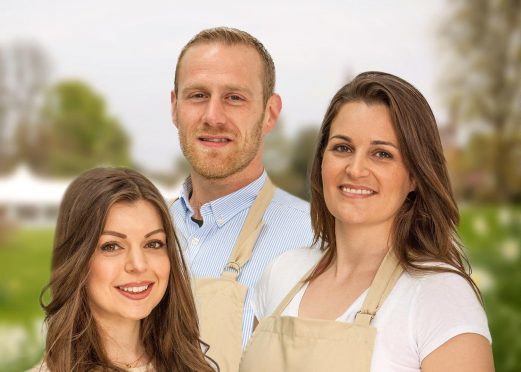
[129, 268]
[364, 178]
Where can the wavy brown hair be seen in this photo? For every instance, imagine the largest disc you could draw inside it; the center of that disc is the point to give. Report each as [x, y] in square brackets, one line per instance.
[170, 333]
[424, 230]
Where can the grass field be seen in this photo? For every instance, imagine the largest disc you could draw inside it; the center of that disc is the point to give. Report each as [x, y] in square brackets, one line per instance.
[491, 234]
[25, 258]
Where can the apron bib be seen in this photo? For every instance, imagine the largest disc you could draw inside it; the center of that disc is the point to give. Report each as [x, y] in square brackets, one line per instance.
[220, 301]
[292, 344]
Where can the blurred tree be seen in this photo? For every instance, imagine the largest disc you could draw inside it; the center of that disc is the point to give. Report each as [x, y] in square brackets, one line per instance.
[482, 82]
[77, 133]
[287, 160]
[24, 73]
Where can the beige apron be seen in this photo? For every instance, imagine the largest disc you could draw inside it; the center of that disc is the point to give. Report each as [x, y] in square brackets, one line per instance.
[220, 301]
[292, 344]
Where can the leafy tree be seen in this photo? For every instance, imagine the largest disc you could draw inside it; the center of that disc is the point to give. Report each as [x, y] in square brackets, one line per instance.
[482, 81]
[288, 160]
[78, 133]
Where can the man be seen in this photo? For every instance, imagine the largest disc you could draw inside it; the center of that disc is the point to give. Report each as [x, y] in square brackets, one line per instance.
[230, 220]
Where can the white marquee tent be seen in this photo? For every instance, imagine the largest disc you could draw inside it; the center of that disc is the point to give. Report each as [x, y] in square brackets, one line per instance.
[28, 200]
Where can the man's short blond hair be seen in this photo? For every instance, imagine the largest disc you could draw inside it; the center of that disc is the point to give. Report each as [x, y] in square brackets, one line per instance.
[233, 36]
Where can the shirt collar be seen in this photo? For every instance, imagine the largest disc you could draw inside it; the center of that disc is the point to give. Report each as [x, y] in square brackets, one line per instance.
[226, 207]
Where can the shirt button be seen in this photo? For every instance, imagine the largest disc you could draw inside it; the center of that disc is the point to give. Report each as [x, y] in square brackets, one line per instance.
[195, 241]
[220, 220]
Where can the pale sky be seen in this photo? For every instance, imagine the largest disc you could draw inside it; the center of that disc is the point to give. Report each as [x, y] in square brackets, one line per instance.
[127, 50]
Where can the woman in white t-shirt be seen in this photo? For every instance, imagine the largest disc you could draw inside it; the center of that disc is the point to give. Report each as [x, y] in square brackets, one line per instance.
[385, 288]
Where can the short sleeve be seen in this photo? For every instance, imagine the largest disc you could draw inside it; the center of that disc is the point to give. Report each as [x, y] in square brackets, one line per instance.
[446, 307]
[259, 299]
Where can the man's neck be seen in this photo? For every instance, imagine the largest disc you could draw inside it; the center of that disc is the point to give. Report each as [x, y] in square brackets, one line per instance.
[205, 190]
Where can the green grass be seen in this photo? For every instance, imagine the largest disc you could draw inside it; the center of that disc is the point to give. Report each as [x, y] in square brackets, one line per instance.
[25, 257]
[25, 260]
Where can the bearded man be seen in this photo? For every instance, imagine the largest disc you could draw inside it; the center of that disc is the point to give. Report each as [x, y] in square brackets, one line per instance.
[231, 221]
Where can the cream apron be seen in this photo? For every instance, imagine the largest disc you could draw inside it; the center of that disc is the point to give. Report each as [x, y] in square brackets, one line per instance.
[220, 301]
[292, 344]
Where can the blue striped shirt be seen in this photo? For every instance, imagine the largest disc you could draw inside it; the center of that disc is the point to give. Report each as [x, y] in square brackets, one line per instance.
[287, 225]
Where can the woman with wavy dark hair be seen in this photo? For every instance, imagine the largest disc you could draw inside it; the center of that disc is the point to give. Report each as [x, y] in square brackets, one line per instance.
[120, 297]
[386, 286]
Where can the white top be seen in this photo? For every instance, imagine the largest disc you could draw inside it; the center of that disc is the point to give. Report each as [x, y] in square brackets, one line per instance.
[419, 315]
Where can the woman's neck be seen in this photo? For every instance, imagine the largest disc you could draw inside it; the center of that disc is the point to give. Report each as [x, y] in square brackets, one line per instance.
[122, 343]
[360, 248]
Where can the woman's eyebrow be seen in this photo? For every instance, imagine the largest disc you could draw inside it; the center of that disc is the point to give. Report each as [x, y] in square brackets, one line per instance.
[154, 232]
[119, 235]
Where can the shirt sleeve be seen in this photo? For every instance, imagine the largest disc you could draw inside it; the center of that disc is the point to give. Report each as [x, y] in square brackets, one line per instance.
[446, 307]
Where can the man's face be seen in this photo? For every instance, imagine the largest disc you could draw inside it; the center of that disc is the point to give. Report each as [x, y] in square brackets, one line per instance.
[219, 109]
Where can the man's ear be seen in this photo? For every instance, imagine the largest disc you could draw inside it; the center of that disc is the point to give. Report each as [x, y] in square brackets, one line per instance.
[272, 112]
[173, 101]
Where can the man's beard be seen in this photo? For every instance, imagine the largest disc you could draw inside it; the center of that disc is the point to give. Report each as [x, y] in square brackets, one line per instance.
[210, 163]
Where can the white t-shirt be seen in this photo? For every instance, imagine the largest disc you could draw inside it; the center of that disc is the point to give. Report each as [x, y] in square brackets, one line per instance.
[419, 315]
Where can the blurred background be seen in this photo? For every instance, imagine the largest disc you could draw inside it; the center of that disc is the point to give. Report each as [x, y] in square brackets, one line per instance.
[86, 85]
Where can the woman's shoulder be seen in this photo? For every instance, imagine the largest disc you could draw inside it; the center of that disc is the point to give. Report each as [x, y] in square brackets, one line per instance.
[444, 305]
[297, 259]
[280, 276]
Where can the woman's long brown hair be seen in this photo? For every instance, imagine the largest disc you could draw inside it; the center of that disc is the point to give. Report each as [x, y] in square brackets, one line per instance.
[424, 231]
[170, 333]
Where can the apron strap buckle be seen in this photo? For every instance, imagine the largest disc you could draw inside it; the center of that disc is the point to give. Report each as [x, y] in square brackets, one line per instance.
[364, 317]
[233, 267]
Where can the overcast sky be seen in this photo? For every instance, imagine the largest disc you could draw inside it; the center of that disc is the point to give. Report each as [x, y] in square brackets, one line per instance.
[127, 51]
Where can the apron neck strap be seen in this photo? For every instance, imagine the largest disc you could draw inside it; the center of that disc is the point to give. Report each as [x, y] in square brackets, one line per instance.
[250, 231]
[388, 273]
[386, 277]
[286, 300]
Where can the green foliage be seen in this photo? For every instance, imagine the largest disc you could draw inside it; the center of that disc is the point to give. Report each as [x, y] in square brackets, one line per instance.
[492, 236]
[476, 166]
[287, 161]
[78, 131]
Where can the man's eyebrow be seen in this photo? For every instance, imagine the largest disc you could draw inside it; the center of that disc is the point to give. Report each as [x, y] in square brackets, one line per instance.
[227, 88]
[114, 233]
[374, 142]
[154, 232]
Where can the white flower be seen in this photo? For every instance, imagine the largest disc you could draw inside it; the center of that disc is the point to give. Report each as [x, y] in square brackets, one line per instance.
[510, 249]
[504, 216]
[483, 279]
[480, 225]
[12, 339]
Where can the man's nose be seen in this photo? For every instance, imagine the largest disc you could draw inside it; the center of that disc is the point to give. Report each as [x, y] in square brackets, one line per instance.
[214, 114]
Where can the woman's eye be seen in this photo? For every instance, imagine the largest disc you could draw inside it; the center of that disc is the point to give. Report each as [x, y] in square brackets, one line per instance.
[342, 148]
[109, 247]
[155, 244]
[384, 155]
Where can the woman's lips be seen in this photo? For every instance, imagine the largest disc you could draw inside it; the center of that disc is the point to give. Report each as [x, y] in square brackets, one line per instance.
[136, 291]
[356, 191]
